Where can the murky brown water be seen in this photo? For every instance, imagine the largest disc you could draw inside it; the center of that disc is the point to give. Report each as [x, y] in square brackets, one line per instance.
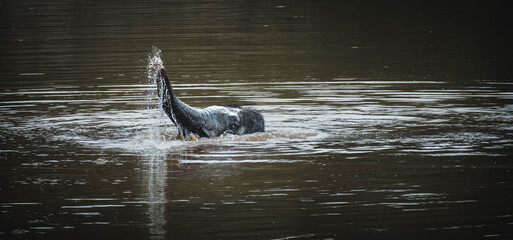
[384, 121]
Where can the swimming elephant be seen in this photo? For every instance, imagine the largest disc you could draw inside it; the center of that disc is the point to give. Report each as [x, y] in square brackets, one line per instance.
[209, 122]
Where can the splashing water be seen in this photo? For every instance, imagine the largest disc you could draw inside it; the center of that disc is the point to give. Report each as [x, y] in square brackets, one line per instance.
[159, 132]
[153, 60]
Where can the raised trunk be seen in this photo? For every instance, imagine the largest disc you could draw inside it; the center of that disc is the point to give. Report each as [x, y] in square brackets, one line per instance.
[184, 117]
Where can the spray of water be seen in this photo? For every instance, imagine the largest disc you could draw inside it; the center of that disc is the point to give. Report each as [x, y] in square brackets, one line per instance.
[153, 59]
[159, 132]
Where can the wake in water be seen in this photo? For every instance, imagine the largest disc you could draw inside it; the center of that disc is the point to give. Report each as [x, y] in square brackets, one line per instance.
[100, 123]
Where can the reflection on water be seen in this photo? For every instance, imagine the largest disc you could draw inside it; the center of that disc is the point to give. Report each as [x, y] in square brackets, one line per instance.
[157, 174]
[382, 123]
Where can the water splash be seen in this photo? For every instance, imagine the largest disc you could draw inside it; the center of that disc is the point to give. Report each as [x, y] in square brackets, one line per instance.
[154, 58]
[157, 133]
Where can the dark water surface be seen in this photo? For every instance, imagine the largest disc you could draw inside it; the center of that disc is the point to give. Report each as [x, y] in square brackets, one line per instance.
[384, 120]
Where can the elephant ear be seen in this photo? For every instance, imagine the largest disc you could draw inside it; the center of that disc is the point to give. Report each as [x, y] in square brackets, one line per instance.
[251, 120]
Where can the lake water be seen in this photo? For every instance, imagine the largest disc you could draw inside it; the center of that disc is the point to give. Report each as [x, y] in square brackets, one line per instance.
[383, 120]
